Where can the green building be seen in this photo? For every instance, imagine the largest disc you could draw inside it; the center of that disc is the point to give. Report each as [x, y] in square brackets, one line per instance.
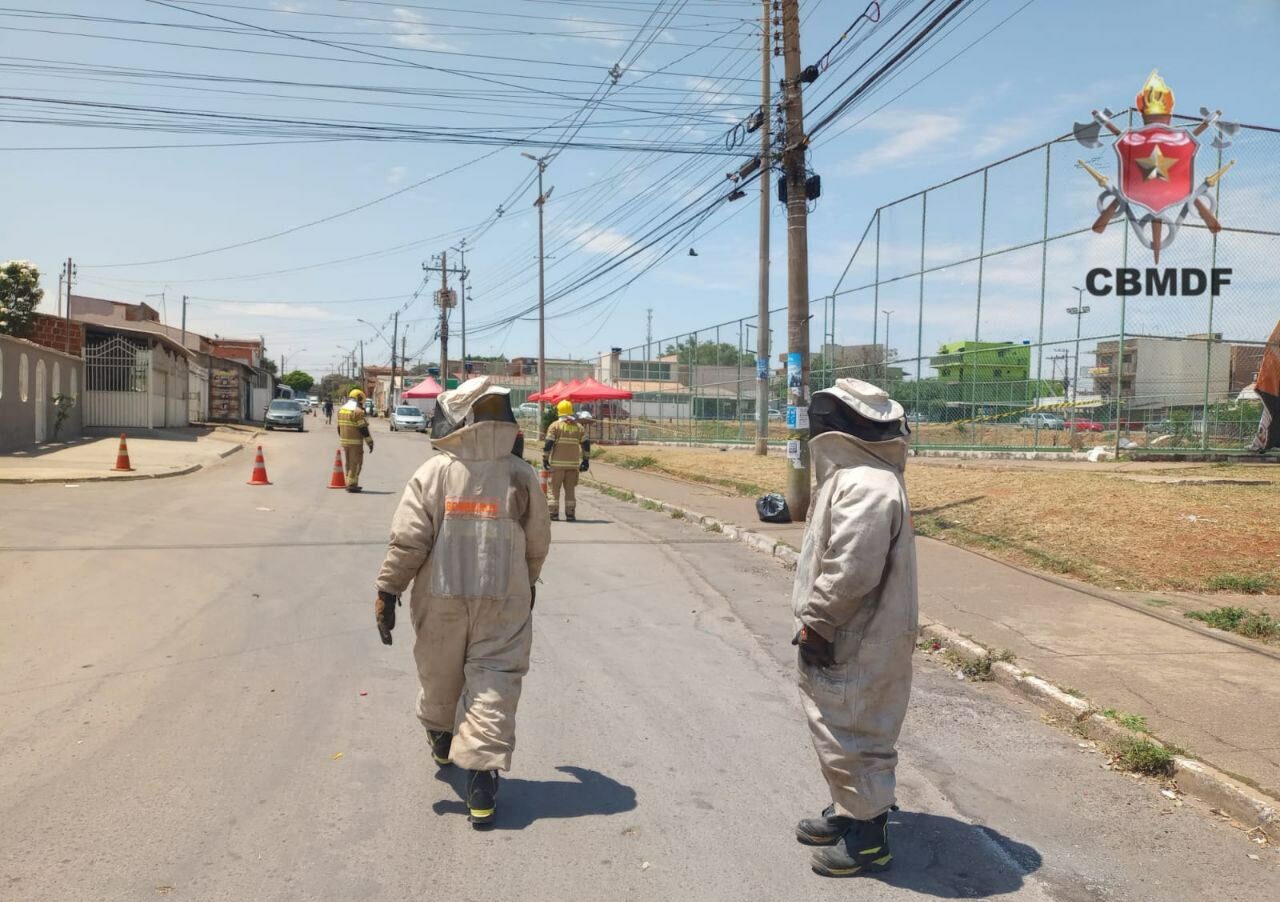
[990, 375]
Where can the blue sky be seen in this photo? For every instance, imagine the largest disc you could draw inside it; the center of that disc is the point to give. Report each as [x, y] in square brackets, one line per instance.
[1025, 82]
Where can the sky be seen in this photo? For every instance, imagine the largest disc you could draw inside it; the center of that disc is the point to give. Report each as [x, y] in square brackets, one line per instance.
[403, 90]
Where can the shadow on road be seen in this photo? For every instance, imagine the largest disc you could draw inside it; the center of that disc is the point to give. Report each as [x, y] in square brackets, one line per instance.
[950, 859]
[521, 802]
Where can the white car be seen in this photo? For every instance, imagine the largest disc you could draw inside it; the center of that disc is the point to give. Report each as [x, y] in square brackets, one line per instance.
[303, 402]
[409, 418]
[527, 409]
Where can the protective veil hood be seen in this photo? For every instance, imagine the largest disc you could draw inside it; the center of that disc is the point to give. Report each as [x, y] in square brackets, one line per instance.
[474, 421]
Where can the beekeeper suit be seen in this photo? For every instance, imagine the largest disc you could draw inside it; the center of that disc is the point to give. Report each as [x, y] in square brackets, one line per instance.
[471, 533]
[856, 616]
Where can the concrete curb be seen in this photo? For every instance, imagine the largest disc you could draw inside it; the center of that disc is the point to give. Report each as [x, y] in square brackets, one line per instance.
[1246, 804]
[126, 477]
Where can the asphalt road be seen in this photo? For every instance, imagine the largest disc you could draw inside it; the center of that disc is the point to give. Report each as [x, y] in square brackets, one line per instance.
[194, 704]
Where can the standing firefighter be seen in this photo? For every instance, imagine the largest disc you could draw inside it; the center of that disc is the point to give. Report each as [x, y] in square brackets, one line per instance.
[566, 453]
[353, 434]
[471, 534]
[856, 614]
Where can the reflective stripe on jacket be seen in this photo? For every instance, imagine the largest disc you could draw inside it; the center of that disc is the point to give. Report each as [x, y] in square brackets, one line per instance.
[353, 427]
[566, 438]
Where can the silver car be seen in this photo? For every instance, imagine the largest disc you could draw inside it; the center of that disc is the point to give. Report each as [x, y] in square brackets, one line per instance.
[285, 414]
[410, 418]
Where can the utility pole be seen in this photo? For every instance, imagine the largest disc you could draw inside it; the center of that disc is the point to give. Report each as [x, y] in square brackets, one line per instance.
[353, 364]
[444, 302]
[1078, 312]
[766, 177]
[391, 390]
[69, 276]
[462, 299]
[887, 352]
[184, 320]
[648, 342]
[793, 163]
[541, 202]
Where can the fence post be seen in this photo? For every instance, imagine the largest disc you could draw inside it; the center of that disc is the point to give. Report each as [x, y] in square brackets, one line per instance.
[1208, 358]
[977, 318]
[1044, 273]
[924, 218]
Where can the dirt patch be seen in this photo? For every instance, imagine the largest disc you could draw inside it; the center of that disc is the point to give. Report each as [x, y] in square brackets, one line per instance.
[1139, 536]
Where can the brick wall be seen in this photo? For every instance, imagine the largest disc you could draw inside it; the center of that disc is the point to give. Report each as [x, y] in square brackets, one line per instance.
[59, 334]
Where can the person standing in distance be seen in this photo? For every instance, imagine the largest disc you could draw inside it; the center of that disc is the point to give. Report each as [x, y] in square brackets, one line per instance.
[856, 617]
[566, 453]
[353, 435]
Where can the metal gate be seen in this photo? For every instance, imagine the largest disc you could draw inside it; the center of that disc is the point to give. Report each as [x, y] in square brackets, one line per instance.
[117, 383]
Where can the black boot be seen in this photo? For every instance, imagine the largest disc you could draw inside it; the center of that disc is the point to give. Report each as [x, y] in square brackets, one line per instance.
[825, 830]
[482, 794]
[440, 741]
[863, 849]
[571, 518]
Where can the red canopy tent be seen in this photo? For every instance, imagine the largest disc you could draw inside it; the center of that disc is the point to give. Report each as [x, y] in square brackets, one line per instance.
[549, 394]
[427, 388]
[566, 393]
[593, 390]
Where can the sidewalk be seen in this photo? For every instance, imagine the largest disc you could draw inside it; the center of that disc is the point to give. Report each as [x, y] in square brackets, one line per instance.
[1210, 695]
[154, 454]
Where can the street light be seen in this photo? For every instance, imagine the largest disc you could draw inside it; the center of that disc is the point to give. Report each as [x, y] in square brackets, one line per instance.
[1078, 312]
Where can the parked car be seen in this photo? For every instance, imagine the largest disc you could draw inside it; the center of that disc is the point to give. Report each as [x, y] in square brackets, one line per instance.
[410, 418]
[303, 402]
[369, 409]
[1041, 421]
[527, 409]
[1080, 424]
[315, 400]
[283, 413]
[774, 413]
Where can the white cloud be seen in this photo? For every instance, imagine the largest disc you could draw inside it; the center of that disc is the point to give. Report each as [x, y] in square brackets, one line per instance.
[289, 7]
[602, 241]
[397, 174]
[413, 31]
[915, 138]
[268, 310]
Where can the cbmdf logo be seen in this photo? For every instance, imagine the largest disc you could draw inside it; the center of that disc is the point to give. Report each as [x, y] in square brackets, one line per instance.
[1156, 187]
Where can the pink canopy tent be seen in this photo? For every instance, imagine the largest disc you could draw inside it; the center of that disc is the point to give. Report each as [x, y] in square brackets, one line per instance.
[550, 393]
[427, 388]
[566, 393]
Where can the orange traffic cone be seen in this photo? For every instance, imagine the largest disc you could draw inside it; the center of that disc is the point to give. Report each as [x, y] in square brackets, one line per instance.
[544, 477]
[259, 470]
[122, 456]
[339, 479]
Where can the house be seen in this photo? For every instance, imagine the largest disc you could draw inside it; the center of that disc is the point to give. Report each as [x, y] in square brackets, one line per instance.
[1155, 373]
[40, 384]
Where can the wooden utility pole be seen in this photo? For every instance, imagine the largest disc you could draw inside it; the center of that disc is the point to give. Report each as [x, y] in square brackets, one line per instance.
[444, 318]
[540, 203]
[766, 178]
[391, 390]
[793, 162]
[462, 300]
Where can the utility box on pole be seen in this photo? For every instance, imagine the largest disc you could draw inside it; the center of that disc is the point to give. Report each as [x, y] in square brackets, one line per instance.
[796, 143]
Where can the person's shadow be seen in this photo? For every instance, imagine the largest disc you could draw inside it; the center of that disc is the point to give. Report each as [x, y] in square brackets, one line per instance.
[943, 857]
[521, 802]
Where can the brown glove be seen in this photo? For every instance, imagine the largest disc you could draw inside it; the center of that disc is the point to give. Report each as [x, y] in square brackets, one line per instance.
[384, 611]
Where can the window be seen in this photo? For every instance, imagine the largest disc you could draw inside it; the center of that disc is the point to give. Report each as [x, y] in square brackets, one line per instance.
[22, 378]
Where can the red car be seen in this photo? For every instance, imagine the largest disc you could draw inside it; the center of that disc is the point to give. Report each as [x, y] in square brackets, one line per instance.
[1082, 425]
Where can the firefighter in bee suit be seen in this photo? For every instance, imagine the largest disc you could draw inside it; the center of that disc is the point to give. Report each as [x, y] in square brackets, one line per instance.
[470, 534]
[856, 617]
[566, 453]
[353, 435]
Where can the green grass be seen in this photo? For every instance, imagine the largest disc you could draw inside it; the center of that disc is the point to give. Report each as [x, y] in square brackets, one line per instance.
[677, 514]
[1142, 756]
[1253, 624]
[644, 462]
[1156, 602]
[1135, 722]
[1241, 583]
[650, 505]
[715, 527]
[979, 669]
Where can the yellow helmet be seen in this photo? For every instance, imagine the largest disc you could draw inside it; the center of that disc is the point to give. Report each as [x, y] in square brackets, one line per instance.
[564, 409]
[356, 394]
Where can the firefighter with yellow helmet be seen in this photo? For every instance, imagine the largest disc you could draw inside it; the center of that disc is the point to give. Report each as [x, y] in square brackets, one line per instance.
[566, 453]
[353, 435]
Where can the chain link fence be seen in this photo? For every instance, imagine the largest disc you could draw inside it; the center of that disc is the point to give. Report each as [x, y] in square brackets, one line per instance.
[967, 301]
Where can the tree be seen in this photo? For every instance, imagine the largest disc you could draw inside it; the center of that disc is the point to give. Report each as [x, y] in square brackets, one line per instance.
[20, 294]
[299, 381]
[709, 353]
[270, 365]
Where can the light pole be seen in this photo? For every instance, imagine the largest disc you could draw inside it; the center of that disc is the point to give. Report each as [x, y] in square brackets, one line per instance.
[887, 352]
[1078, 312]
[541, 202]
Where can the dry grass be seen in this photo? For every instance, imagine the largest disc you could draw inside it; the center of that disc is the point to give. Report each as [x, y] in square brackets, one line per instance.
[1072, 519]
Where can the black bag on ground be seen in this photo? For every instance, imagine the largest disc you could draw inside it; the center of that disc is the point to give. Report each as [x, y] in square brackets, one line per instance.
[772, 508]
